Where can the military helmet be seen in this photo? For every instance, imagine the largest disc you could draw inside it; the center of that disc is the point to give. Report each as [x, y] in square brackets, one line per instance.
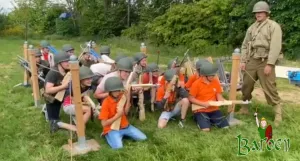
[261, 6]
[61, 57]
[67, 47]
[169, 74]
[85, 72]
[113, 84]
[200, 62]
[37, 53]
[209, 70]
[152, 67]
[105, 50]
[44, 44]
[139, 56]
[125, 64]
[171, 63]
[119, 56]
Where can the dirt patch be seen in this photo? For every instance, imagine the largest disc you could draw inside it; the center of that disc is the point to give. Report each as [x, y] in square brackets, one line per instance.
[291, 96]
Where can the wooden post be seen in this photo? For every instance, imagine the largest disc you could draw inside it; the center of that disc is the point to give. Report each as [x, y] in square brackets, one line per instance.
[236, 57]
[74, 68]
[25, 52]
[233, 86]
[83, 146]
[34, 77]
[143, 48]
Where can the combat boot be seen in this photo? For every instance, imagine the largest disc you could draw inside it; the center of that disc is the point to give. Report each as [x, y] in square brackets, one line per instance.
[278, 114]
[244, 110]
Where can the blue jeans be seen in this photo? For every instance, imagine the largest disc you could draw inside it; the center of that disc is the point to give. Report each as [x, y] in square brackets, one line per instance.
[114, 137]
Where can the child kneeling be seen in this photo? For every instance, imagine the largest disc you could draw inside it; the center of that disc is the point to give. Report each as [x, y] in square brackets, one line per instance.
[207, 88]
[85, 75]
[109, 114]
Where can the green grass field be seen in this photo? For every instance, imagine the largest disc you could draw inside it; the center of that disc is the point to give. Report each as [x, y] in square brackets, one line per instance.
[25, 134]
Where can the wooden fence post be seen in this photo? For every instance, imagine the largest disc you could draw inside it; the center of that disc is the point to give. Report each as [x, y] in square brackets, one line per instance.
[34, 77]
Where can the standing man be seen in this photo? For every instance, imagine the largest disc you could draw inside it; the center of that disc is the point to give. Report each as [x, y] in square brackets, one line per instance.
[260, 51]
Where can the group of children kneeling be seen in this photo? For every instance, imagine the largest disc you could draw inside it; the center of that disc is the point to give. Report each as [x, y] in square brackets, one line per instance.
[172, 97]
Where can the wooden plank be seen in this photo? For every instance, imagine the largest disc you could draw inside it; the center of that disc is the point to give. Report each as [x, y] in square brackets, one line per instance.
[220, 103]
[60, 95]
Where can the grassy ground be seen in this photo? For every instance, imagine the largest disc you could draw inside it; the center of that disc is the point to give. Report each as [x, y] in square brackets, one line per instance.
[25, 135]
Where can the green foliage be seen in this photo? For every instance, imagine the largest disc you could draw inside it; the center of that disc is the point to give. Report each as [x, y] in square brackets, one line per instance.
[195, 26]
[65, 27]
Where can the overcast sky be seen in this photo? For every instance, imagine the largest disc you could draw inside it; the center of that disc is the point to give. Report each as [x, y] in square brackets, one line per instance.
[6, 4]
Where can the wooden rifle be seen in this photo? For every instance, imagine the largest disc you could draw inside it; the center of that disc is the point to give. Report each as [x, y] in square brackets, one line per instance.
[60, 95]
[123, 101]
[220, 103]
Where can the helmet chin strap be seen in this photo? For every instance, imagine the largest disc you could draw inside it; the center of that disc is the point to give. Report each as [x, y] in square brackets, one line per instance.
[66, 70]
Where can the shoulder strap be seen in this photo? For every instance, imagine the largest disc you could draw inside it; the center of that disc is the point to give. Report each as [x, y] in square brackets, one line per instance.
[258, 29]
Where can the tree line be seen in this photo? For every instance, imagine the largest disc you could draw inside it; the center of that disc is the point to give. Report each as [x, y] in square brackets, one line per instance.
[192, 23]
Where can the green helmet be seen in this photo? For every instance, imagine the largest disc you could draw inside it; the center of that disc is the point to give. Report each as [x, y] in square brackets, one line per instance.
[125, 64]
[67, 47]
[44, 44]
[113, 84]
[61, 57]
[261, 6]
[139, 56]
[200, 62]
[85, 72]
[169, 74]
[105, 50]
[119, 56]
[37, 53]
[209, 70]
[152, 67]
[85, 51]
[171, 63]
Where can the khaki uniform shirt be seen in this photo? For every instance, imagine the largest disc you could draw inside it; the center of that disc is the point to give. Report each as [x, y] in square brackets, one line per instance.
[263, 40]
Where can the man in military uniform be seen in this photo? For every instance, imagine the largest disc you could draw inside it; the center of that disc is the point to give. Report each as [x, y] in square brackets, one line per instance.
[260, 51]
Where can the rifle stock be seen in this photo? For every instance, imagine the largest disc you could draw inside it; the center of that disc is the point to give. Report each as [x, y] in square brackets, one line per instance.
[170, 88]
[116, 124]
[60, 95]
[220, 103]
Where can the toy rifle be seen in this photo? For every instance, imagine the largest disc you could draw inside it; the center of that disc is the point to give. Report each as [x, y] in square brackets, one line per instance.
[189, 67]
[152, 91]
[60, 95]
[170, 88]
[220, 103]
[123, 101]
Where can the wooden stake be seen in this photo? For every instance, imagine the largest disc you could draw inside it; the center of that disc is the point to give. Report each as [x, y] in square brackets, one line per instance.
[26, 75]
[34, 77]
[74, 67]
[83, 146]
[234, 79]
